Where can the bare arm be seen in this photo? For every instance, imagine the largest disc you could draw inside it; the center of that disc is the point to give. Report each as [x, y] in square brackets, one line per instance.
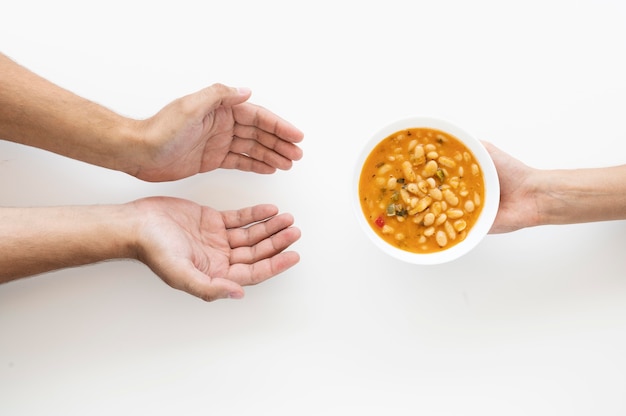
[583, 195]
[204, 252]
[38, 240]
[36, 112]
[207, 253]
[532, 197]
[209, 129]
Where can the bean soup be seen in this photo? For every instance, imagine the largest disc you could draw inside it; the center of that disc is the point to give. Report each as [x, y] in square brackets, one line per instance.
[421, 190]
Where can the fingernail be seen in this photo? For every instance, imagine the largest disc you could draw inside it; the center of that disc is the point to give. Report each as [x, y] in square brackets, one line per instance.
[235, 295]
[244, 90]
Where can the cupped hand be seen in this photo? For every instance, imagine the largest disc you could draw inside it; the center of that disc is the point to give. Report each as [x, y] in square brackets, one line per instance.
[210, 129]
[212, 254]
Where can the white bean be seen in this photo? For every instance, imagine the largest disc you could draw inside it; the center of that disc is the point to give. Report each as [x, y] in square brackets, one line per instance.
[435, 208]
[406, 198]
[460, 225]
[423, 203]
[409, 174]
[450, 197]
[447, 162]
[419, 157]
[477, 199]
[430, 169]
[441, 238]
[412, 188]
[475, 170]
[454, 213]
[387, 229]
[450, 231]
[384, 169]
[436, 193]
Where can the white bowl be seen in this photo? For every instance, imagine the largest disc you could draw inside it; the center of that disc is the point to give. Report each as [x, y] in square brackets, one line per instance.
[490, 204]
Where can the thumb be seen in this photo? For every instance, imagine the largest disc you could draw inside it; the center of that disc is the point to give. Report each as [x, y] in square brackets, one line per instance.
[221, 95]
[210, 289]
[188, 278]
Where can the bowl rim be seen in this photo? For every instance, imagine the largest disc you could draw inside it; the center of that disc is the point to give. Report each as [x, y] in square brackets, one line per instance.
[490, 204]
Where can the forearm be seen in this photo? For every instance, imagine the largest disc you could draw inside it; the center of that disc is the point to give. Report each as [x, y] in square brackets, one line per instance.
[38, 240]
[582, 195]
[36, 112]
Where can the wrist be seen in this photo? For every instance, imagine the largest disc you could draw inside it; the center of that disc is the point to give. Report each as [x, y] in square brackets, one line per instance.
[582, 195]
[125, 146]
[137, 148]
[547, 186]
[121, 228]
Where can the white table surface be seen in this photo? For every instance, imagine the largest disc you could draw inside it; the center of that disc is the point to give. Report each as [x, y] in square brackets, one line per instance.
[529, 323]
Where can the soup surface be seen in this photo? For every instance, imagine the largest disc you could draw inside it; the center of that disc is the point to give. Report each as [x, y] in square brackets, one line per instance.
[421, 190]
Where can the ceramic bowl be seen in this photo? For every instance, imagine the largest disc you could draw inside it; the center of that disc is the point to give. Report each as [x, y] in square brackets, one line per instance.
[490, 202]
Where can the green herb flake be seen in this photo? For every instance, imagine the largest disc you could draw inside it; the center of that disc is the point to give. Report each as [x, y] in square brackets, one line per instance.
[440, 175]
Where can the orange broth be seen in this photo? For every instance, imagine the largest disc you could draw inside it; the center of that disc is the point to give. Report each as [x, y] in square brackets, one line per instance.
[421, 200]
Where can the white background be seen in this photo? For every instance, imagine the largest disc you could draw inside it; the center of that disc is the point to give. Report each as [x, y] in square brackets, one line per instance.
[529, 323]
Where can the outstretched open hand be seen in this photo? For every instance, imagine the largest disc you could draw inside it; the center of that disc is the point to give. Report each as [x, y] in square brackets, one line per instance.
[212, 254]
[215, 128]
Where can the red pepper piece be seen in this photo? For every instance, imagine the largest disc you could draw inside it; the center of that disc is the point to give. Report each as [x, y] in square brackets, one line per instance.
[380, 221]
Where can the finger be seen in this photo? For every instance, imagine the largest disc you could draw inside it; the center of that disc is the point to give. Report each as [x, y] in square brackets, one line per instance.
[270, 141]
[252, 274]
[246, 164]
[218, 95]
[266, 248]
[256, 116]
[249, 215]
[490, 147]
[249, 236]
[269, 156]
